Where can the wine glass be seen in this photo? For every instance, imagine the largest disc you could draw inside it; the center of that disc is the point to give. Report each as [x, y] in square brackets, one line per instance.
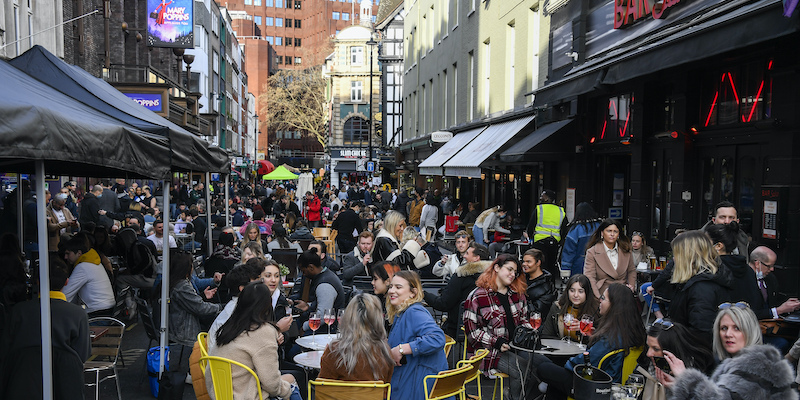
[586, 324]
[536, 320]
[568, 320]
[314, 321]
[637, 381]
[329, 318]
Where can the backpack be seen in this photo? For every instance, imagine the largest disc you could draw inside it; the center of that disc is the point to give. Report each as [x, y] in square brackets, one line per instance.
[140, 260]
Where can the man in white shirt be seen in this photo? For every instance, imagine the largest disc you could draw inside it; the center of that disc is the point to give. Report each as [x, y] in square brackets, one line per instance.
[89, 281]
[448, 264]
[158, 237]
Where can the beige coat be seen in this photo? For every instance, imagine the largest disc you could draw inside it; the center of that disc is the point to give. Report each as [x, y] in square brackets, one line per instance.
[601, 274]
[54, 227]
[258, 350]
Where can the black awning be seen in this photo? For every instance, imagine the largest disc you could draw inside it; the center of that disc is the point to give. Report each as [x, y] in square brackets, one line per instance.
[712, 32]
[568, 87]
[519, 150]
[345, 166]
[750, 24]
[188, 152]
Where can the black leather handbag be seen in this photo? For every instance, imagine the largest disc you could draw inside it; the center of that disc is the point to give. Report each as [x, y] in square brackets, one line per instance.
[527, 338]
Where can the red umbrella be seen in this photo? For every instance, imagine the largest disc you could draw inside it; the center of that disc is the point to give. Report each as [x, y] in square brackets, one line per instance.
[265, 167]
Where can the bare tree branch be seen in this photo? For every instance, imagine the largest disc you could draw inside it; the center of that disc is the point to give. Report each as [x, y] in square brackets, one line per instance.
[295, 100]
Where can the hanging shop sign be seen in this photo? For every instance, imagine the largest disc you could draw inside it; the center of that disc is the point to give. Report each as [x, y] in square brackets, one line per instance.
[170, 23]
[626, 12]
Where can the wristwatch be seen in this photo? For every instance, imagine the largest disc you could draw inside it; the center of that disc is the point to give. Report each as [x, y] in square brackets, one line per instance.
[400, 349]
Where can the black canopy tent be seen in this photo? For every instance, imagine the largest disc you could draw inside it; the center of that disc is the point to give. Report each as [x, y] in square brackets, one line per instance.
[43, 128]
[189, 152]
[38, 123]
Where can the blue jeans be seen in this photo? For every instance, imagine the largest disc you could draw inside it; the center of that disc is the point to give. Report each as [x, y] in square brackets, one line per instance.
[478, 233]
[648, 298]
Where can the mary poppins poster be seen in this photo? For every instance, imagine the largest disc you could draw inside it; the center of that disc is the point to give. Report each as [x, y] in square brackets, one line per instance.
[170, 23]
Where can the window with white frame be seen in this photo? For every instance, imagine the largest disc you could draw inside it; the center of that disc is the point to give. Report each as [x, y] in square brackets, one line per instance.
[357, 55]
[356, 91]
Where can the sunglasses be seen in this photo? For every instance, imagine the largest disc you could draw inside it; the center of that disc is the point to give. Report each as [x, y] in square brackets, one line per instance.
[663, 324]
[740, 305]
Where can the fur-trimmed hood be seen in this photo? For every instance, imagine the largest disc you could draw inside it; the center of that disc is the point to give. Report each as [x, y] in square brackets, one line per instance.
[473, 268]
[757, 372]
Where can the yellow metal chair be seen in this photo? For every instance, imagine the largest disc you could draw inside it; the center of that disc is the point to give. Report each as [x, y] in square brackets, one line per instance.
[202, 341]
[222, 379]
[448, 344]
[447, 383]
[497, 376]
[332, 389]
[628, 364]
[464, 348]
[475, 361]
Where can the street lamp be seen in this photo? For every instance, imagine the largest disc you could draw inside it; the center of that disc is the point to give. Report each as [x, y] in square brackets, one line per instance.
[371, 43]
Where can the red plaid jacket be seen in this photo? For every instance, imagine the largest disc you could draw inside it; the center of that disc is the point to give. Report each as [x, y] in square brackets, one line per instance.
[485, 321]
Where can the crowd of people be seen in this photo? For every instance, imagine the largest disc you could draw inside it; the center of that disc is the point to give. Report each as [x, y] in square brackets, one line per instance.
[717, 331]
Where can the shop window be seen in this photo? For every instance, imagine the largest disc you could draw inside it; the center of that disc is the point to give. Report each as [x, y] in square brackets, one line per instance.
[615, 119]
[356, 131]
[739, 94]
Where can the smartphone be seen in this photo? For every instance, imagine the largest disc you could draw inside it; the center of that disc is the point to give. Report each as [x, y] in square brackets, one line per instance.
[662, 363]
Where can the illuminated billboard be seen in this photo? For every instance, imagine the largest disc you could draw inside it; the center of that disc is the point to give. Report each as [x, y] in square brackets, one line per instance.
[170, 23]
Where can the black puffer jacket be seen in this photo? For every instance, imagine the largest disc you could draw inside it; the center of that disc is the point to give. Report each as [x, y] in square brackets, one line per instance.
[410, 257]
[461, 284]
[541, 294]
[757, 372]
[696, 302]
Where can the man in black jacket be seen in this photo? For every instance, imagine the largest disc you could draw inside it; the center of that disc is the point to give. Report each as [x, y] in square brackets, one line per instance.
[90, 206]
[349, 226]
[461, 284]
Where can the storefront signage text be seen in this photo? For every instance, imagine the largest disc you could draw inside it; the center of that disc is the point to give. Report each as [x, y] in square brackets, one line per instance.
[150, 101]
[626, 12]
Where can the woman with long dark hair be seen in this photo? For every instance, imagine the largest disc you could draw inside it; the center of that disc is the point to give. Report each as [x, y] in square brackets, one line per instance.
[579, 231]
[251, 338]
[280, 242]
[541, 290]
[492, 312]
[186, 307]
[576, 300]
[663, 336]
[620, 328]
[608, 258]
[361, 353]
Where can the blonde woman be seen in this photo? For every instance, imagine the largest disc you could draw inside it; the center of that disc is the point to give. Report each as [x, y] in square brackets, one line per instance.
[361, 353]
[488, 220]
[410, 255]
[416, 341]
[252, 234]
[749, 369]
[702, 283]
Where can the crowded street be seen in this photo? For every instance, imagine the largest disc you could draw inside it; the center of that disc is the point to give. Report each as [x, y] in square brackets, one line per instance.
[399, 199]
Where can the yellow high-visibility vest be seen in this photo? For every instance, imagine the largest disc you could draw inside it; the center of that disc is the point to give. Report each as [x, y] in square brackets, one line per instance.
[548, 222]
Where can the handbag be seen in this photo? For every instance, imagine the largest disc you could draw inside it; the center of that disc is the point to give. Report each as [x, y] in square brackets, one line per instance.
[154, 15]
[526, 338]
[653, 389]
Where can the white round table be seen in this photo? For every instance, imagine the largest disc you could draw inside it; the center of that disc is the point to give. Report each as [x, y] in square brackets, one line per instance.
[319, 342]
[309, 359]
[559, 348]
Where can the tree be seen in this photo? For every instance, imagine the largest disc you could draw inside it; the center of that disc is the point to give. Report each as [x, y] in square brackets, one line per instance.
[296, 102]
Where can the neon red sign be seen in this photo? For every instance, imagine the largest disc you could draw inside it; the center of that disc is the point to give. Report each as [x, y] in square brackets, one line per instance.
[626, 12]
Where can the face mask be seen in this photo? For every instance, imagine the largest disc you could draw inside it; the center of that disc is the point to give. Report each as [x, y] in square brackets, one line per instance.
[99, 196]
